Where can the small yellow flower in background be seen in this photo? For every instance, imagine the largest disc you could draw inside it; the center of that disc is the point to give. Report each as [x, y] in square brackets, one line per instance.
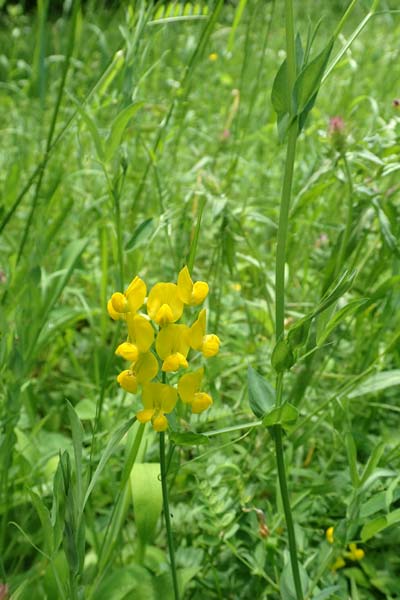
[329, 535]
[158, 399]
[189, 391]
[142, 371]
[355, 553]
[338, 564]
[189, 292]
[172, 347]
[163, 304]
[213, 56]
[130, 301]
[207, 344]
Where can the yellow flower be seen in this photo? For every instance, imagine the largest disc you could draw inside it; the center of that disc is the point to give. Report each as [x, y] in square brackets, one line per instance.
[163, 304]
[130, 301]
[189, 292]
[188, 389]
[141, 337]
[338, 564]
[128, 351]
[172, 347]
[329, 535]
[213, 56]
[158, 399]
[207, 344]
[142, 371]
[355, 553]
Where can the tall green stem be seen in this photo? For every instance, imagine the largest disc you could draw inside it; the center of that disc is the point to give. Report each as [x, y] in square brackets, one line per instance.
[280, 289]
[167, 515]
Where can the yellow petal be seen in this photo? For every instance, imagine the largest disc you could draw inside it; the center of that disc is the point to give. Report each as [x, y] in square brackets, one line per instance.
[164, 315]
[173, 362]
[185, 286]
[140, 331]
[189, 384]
[329, 535]
[164, 293]
[144, 416]
[112, 312]
[171, 339]
[355, 553]
[146, 367]
[127, 351]
[198, 331]
[338, 564]
[135, 294]
[201, 402]
[210, 346]
[119, 303]
[199, 292]
[127, 381]
[160, 396]
[160, 423]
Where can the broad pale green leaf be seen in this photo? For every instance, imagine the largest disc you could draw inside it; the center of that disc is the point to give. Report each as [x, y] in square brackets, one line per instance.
[285, 415]
[379, 524]
[118, 127]
[261, 393]
[280, 95]
[133, 581]
[86, 409]
[376, 383]
[147, 498]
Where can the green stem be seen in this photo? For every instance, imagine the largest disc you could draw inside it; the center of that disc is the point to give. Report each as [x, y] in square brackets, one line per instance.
[349, 221]
[280, 461]
[167, 514]
[280, 289]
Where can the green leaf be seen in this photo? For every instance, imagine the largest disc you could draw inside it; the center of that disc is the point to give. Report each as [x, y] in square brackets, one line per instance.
[282, 357]
[91, 125]
[147, 498]
[339, 287]
[77, 441]
[285, 415]
[45, 520]
[128, 582]
[287, 588]
[376, 383]
[118, 127]
[377, 525]
[338, 317]
[386, 229]
[352, 459]
[188, 438]
[141, 234]
[86, 409]
[109, 449]
[308, 82]
[261, 393]
[280, 97]
[298, 332]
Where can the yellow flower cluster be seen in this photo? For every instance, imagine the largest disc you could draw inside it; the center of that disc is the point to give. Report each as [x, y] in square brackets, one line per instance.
[354, 554]
[173, 341]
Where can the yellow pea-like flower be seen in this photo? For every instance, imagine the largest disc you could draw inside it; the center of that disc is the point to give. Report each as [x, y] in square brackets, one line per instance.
[329, 535]
[141, 332]
[189, 391]
[189, 292]
[172, 346]
[207, 344]
[130, 301]
[128, 351]
[163, 304]
[355, 553]
[141, 372]
[158, 399]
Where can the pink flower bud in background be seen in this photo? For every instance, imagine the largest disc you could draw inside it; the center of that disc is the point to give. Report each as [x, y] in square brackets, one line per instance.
[337, 134]
[3, 591]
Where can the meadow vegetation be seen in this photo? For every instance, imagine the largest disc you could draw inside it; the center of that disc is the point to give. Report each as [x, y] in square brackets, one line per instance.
[140, 138]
